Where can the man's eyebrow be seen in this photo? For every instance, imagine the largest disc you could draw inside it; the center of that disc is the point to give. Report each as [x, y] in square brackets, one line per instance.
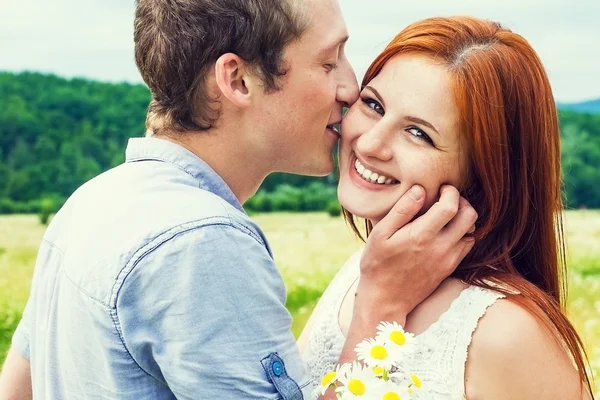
[335, 45]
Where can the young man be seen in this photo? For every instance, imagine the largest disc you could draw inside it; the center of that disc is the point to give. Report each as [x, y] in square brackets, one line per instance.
[152, 282]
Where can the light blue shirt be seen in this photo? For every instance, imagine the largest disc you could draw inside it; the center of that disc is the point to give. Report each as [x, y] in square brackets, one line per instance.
[153, 283]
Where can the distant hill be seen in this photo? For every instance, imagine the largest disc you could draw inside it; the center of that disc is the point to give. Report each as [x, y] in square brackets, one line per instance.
[57, 133]
[591, 106]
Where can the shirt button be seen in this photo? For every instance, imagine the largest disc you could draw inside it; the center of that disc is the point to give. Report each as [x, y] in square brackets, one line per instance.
[277, 368]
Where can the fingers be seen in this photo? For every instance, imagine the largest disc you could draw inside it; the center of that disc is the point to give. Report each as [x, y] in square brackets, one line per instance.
[439, 214]
[463, 248]
[463, 223]
[402, 213]
[458, 230]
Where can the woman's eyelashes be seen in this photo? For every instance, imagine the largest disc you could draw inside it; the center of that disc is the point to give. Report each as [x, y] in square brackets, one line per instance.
[415, 132]
[419, 134]
[373, 105]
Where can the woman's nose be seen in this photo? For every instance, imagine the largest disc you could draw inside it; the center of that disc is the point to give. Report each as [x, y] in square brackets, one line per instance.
[375, 143]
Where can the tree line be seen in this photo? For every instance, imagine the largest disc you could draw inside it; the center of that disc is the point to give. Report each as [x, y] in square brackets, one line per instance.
[56, 134]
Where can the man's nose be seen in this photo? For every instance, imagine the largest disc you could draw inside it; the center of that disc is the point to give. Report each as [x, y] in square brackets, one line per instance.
[347, 92]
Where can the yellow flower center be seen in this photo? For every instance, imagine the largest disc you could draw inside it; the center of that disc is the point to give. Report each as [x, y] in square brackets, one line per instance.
[357, 387]
[379, 352]
[328, 378]
[398, 337]
[378, 371]
[391, 396]
[415, 379]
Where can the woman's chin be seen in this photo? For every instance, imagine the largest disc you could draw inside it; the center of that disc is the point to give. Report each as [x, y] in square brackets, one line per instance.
[364, 211]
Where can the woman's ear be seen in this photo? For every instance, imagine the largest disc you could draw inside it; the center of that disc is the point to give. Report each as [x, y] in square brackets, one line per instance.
[234, 79]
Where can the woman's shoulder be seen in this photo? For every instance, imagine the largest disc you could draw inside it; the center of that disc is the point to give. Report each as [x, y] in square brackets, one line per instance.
[505, 325]
[514, 350]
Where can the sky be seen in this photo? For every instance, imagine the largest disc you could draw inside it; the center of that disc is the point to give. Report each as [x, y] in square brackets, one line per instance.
[94, 38]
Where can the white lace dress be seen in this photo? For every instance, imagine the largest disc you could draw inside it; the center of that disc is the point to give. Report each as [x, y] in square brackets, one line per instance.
[441, 354]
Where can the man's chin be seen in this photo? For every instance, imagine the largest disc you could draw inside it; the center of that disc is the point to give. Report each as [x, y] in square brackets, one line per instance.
[317, 170]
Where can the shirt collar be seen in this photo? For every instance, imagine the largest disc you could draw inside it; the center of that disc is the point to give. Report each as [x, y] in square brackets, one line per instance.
[141, 149]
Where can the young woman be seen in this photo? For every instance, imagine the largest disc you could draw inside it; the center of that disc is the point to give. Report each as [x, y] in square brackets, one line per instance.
[465, 102]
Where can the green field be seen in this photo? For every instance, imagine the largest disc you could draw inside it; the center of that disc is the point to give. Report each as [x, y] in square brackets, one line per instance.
[309, 248]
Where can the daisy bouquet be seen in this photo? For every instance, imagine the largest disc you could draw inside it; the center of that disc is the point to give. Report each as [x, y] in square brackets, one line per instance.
[379, 373]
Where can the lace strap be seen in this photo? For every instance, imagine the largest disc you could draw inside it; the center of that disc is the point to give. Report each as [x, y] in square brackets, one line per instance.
[471, 309]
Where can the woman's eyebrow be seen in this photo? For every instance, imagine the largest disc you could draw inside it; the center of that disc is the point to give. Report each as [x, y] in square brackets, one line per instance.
[376, 93]
[422, 122]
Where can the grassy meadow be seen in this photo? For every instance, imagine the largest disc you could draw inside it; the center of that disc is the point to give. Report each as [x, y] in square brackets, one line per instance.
[309, 249]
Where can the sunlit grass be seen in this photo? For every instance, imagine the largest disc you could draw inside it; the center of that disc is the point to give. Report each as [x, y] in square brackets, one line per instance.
[583, 259]
[19, 239]
[309, 249]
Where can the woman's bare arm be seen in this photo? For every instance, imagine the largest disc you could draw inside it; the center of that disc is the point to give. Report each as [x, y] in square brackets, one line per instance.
[513, 356]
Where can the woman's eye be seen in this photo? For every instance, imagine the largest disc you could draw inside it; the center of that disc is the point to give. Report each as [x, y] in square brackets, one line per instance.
[416, 132]
[374, 105]
[419, 134]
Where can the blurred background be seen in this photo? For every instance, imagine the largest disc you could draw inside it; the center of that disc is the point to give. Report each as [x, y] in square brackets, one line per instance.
[71, 96]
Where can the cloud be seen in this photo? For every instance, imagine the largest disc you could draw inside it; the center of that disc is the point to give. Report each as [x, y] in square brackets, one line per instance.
[94, 38]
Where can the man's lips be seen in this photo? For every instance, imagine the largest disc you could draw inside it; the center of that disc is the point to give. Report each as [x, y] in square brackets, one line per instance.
[335, 127]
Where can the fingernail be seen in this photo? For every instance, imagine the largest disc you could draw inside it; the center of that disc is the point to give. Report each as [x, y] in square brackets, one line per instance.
[416, 192]
[472, 230]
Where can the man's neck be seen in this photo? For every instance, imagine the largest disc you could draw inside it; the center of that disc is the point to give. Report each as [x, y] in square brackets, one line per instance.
[242, 172]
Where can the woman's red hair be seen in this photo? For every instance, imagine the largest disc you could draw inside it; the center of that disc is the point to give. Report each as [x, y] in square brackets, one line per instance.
[510, 123]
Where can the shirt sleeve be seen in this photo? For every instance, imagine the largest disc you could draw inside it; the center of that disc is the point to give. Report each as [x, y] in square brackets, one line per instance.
[204, 312]
[21, 336]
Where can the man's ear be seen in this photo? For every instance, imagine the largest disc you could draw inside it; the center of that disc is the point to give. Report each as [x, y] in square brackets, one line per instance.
[234, 79]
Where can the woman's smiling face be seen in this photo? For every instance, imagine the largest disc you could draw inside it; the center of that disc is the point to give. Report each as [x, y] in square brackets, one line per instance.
[404, 130]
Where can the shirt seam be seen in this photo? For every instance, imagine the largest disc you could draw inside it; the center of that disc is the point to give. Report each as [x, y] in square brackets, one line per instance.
[239, 225]
[154, 158]
[62, 271]
[115, 319]
[147, 249]
[167, 235]
[27, 335]
[179, 166]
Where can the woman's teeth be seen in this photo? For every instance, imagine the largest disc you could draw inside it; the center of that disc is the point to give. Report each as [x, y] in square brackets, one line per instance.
[372, 177]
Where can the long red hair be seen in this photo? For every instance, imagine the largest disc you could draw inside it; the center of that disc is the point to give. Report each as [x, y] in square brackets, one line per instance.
[510, 123]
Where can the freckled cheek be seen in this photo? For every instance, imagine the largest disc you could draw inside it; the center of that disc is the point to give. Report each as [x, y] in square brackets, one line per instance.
[424, 171]
[354, 125]
[348, 138]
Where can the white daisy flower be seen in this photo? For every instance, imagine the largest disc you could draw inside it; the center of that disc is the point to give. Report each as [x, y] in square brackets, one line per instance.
[332, 377]
[416, 382]
[379, 372]
[359, 382]
[390, 391]
[375, 352]
[400, 343]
